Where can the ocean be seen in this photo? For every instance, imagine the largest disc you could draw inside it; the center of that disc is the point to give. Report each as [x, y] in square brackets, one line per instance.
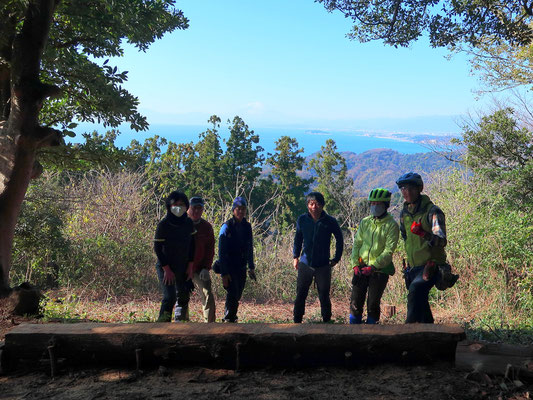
[308, 139]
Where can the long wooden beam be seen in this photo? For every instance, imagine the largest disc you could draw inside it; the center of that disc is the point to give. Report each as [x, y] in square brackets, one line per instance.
[233, 345]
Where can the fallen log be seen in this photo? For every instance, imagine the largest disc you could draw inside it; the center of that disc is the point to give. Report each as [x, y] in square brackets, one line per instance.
[495, 359]
[234, 345]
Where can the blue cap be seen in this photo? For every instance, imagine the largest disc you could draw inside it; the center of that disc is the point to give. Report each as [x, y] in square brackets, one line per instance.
[239, 201]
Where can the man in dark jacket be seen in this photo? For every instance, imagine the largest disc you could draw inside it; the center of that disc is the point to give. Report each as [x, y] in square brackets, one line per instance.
[314, 230]
[235, 252]
[174, 248]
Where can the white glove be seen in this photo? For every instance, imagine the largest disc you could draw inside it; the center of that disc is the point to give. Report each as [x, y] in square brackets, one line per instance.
[204, 274]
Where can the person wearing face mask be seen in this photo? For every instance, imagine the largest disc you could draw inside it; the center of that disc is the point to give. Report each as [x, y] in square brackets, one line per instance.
[235, 252]
[174, 248]
[371, 259]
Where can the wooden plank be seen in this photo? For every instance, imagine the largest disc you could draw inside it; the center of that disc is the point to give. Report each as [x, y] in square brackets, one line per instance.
[235, 345]
[494, 358]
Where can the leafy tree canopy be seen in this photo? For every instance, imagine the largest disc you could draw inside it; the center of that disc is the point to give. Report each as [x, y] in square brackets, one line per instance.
[83, 35]
[502, 150]
[447, 22]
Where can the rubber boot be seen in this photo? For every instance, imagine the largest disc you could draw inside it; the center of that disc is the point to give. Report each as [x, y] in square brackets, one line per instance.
[356, 319]
[371, 321]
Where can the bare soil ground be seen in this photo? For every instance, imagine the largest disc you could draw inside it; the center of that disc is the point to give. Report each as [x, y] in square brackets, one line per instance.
[438, 381]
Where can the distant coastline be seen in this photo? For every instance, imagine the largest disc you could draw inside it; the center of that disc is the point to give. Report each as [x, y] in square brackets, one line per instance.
[311, 140]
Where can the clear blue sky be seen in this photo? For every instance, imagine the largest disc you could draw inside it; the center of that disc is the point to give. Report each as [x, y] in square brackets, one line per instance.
[289, 63]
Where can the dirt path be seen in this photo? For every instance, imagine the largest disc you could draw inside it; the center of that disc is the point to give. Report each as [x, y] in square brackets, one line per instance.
[381, 382]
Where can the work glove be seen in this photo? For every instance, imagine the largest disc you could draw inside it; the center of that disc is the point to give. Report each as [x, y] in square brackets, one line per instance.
[251, 274]
[416, 228]
[204, 274]
[367, 271]
[357, 270]
[429, 270]
[168, 276]
[226, 279]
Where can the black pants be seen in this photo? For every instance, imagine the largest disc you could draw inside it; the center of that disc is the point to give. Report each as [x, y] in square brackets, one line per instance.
[375, 285]
[234, 293]
[178, 291]
[322, 277]
[418, 309]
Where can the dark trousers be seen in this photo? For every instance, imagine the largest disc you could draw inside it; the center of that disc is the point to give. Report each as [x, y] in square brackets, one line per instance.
[178, 291]
[234, 294]
[418, 309]
[322, 277]
[375, 286]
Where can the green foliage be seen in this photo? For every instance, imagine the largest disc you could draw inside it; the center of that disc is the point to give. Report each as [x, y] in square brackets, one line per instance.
[502, 66]
[97, 152]
[329, 166]
[82, 36]
[243, 159]
[40, 246]
[502, 151]
[448, 22]
[285, 163]
[489, 244]
[207, 169]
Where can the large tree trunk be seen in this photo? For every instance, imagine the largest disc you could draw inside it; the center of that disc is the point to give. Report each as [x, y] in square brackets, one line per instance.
[234, 345]
[20, 134]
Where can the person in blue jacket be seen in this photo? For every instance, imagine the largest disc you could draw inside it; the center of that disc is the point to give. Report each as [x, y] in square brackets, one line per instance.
[314, 230]
[235, 253]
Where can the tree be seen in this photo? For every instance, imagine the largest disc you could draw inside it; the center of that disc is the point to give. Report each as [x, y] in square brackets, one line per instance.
[330, 169]
[52, 71]
[286, 162]
[242, 161]
[500, 149]
[206, 169]
[448, 22]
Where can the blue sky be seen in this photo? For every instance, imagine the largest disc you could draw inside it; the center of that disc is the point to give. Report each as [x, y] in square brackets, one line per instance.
[289, 64]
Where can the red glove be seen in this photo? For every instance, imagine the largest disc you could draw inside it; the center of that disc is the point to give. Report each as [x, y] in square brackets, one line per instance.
[357, 270]
[416, 228]
[367, 270]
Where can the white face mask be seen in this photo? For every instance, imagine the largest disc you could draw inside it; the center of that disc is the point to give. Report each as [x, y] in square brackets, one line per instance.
[178, 211]
[379, 210]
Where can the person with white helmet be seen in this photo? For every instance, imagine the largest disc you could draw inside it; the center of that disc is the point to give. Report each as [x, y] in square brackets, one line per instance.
[371, 259]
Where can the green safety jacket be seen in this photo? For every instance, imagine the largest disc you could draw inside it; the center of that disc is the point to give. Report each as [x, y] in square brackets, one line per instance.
[418, 250]
[375, 241]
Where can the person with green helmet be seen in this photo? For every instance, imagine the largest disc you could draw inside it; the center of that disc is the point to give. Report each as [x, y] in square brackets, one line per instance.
[371, 260]
[423, 229]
